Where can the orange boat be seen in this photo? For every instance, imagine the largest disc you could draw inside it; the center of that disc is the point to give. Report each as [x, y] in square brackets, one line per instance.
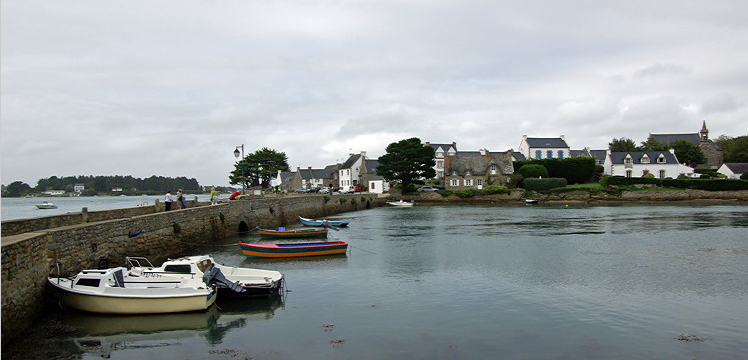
[254, 251]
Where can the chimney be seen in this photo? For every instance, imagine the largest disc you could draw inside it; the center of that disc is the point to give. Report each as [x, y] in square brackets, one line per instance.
[483, 151]
[454, 145]
[563, 137]
[363, 153]
[524, 137]
[310, 168]
[427, 143]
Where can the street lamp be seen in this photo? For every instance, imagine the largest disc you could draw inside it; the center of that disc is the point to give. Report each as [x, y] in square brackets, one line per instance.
[236, 154]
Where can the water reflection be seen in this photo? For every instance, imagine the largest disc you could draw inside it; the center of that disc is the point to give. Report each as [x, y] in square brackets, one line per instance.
[102, 335]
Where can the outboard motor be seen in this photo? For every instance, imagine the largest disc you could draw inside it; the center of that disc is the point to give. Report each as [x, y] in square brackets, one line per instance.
[214, 275]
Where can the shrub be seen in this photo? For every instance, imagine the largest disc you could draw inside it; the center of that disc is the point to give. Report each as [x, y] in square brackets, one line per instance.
[649, 176]
[533, 171]
[574, 170]
[465, 193]
[343, 200]
[543, 184]
[514, 181]
[326, 199]
[177, 227]
[495, 189]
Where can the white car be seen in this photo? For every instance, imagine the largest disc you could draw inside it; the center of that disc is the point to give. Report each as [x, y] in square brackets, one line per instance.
[427, 188]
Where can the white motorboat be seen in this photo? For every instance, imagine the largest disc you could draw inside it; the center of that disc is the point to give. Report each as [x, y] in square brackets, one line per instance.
[401, 203]
[251, 282]
[46, 205]
[113, 291]
[531, 201]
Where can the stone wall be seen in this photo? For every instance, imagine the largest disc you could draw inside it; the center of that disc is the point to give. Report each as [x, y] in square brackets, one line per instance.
[28, 257]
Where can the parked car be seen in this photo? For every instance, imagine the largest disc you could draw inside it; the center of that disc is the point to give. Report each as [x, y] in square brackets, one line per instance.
[324, 190]
[302, 191]
[346, 189]
[427, 188]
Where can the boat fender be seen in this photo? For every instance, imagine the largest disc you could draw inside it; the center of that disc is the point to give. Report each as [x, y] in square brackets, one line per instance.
[214, 275]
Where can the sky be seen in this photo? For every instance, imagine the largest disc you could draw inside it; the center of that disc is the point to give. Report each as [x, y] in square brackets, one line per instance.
[172, 87]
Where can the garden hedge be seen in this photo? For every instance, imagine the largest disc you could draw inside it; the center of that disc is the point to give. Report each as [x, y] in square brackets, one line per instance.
[574, 170]
[543, 184]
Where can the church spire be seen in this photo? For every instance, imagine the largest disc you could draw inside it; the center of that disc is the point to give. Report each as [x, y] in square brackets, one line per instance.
[704, 132]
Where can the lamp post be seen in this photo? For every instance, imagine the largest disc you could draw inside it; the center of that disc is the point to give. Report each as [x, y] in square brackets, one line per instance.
[237, 154]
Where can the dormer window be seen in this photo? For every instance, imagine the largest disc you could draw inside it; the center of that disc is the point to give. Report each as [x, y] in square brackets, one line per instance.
[661, 159]
[493, 169]
[440, 154]
[628, 161]
[645, 159]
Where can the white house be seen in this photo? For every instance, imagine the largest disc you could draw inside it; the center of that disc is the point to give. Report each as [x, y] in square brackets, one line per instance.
[733, 170]
[544, 148]
[661, 164]
[441, 151]
[53, 192]
[375, 183]
[352, 171]
[78, 187]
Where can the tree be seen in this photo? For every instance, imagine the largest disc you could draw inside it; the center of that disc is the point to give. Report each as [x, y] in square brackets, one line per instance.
[688, 153]
[259, 167]
[653, 145]
[622, 145]
[406, 161]
[734, 149]
[16, 189]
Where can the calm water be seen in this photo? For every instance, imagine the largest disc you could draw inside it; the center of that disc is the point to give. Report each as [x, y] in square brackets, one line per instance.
[476, 282]
[20, 208]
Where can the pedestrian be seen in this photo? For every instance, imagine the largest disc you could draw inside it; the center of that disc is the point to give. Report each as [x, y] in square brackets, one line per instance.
[213, 196]
[168, 200]
[181, 199]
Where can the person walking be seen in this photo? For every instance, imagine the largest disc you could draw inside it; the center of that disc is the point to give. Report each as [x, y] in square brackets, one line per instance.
[168, 200]
[213, 196]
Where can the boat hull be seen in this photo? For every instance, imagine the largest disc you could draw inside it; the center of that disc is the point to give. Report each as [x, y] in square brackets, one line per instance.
[311, 222]
[255, 251]
[148, 302]
[298, 233]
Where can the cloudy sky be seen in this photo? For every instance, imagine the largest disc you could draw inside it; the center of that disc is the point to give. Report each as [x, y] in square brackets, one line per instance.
[170, 88]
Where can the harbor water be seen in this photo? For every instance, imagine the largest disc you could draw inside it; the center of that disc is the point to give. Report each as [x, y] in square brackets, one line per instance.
[470, 282]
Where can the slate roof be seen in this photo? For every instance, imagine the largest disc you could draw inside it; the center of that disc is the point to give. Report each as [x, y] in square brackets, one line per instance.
[478, 164]
[286, 176]
[546, 143]
[518, 155]
[371, 166]
[669, 138]
[737, 168]
[599, 154]
[579, 153]
[317, 173]
[443, 146]
[351, 160]
[618, 157]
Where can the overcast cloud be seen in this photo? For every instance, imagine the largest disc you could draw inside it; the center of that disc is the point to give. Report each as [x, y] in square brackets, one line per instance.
[170, 87]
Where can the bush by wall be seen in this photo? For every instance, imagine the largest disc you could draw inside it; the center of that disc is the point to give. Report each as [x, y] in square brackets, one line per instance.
[574, 170]
[543, 184]
[697, 184]
[533, 171]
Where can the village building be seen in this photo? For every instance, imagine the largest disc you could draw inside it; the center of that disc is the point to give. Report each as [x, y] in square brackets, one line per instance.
[311, 178]
[544, 148]
[713, 154]
[476, 170]
[733, 170]
[352, 172]
[661, 164]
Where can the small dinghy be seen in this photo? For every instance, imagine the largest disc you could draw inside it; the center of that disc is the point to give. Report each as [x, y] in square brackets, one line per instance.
[311, 222]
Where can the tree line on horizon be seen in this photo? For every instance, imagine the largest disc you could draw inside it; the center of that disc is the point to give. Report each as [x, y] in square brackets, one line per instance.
[94, 185]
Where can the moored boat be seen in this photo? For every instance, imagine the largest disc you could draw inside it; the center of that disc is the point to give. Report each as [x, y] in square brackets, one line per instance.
[255, 282]
[531, 201]
[312, 222]
[401, 203]
[113, 291]
[254, 251]
[46, 205]
[292, 233]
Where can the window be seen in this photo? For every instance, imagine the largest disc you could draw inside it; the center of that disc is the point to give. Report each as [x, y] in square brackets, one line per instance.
[454, 182]
[662, 174]
[179, 269]
[549, 154]
[661, 159]
[372, 185]
[468, 182]
[628, 161]
[480, 182]
[645, 159]
[560, 154]
[538, 154]
[493, 170]
[440, 174]
[440, 164]
[440, 154]
[628, 173]
[87, 282]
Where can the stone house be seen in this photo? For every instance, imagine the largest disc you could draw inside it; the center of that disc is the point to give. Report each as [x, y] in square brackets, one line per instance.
[712, 152]
[477, 170]
[544, 148]
[733, 170]
[283, 180]
[661, 164]
[310, 178]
